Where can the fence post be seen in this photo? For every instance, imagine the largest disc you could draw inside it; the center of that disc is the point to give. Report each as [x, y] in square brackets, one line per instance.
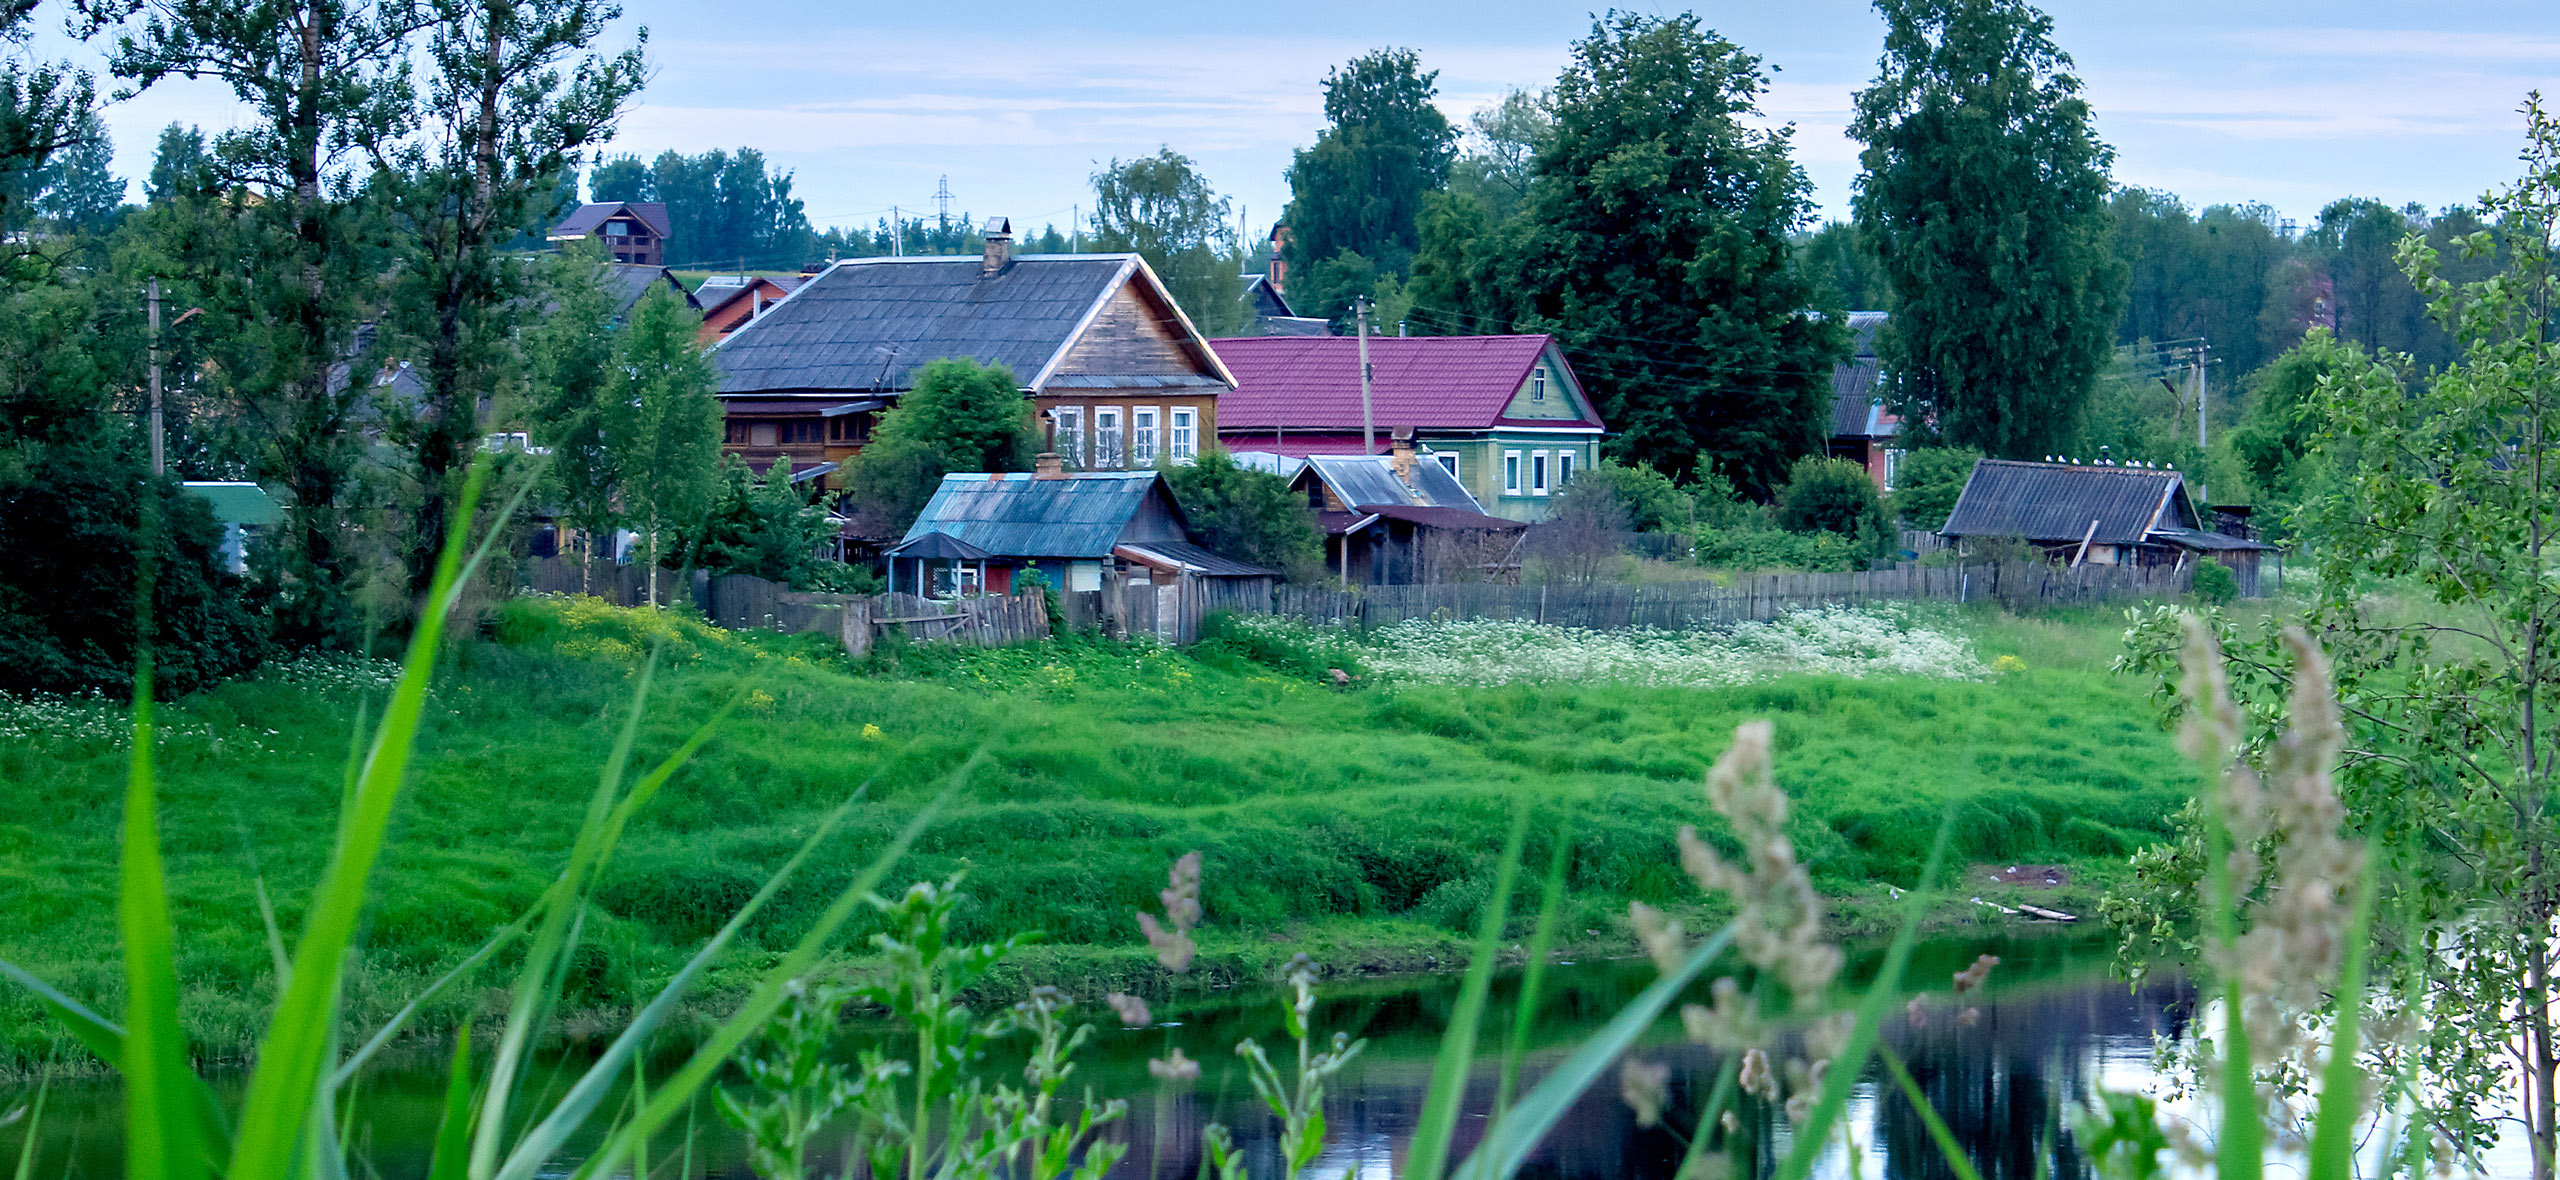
[857, 627]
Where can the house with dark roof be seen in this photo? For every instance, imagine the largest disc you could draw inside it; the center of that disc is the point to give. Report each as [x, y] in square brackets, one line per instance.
[629, 281]
[1401, 519]
[629, 231]
[1095, 340]
[2098, 514]
[1080, 530]
[1862, 430]
[1504, 415]
[729, 301]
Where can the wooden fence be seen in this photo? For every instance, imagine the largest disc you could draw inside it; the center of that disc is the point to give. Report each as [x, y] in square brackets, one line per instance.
[1752, 598]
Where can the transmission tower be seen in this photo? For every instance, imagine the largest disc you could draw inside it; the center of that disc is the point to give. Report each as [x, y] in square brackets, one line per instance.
[942, 201]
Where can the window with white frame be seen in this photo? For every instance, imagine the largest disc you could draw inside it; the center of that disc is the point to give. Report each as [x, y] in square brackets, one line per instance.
[1143, 428]
[1448, 461]
[1110, 446]
[1538, 473]
[1538, 384]
[1892, 469]
[1511, 473]
[1185, 443]
[1564, 468]
[1070, 420]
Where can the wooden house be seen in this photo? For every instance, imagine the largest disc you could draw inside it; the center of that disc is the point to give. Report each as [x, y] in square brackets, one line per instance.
[1862, 430]
[1503, 415]
[1271, 313]
[728, 302]
[2103, 514]
[1399, 519]
[1080, 530]
[1095, 341]
[630, 231]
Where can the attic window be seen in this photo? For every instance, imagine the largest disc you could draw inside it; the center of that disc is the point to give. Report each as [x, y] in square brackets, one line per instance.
[1448, 461]
[1538, 384]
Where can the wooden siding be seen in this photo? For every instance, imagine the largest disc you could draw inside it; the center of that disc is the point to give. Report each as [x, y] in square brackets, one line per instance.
[1132, 337]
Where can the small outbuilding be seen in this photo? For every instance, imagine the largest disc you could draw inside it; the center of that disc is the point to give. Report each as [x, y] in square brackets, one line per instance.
[2098, 514]
[1401, 519]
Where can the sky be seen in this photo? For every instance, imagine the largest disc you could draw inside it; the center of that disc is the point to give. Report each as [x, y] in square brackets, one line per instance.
[872, 106]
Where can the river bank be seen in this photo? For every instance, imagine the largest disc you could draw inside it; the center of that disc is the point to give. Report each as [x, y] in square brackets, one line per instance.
[1359, 826]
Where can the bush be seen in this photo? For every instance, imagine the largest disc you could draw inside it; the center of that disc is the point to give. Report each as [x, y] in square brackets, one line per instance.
[763, 525]
[961, 416]
[2214, 584]
[1926, 483]
[1278, 643]
[1838, 497]
[1247, 515]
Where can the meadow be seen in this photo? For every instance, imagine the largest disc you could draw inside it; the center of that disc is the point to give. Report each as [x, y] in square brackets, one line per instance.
[1357, 823]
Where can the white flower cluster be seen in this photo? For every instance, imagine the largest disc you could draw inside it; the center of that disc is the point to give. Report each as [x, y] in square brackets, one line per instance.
[89, 720]
[1838, 641]
[335, 675]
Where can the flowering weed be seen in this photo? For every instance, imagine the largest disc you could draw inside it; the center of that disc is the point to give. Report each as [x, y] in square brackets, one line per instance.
[1838, 641]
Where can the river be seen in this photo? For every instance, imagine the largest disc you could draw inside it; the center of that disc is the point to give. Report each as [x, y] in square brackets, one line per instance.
[2055, 1026]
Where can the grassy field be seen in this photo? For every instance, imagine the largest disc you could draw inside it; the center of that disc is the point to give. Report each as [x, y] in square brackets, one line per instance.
[1356, 824]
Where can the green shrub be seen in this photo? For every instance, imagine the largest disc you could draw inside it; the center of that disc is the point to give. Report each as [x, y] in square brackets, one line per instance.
[2214, 584]
[1280, 644]
[1838, 497]
[1926, 483]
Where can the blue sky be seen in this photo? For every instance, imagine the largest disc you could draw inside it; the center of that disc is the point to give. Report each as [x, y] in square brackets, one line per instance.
[870, 105]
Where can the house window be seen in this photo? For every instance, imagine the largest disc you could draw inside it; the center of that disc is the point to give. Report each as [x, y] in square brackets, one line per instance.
[1070, 444]
[1142, 435]
[1511, 473]
[760, 434]
[1448, 461]
[801, 431]
[1892, 469]
[1186, 434]
[1109, 447]
[736, 434]
[1564, 468]
[1538, 384]
[849, 428]
[1537, 473]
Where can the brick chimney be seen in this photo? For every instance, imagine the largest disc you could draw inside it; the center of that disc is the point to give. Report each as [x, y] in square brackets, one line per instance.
[1400, 450]
[1047, 464]
[999, 255]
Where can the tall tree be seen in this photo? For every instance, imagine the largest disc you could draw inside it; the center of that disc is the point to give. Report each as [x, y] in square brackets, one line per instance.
[662, 423]
[78, 190]
[621, 178]
[1838, 257]
[961, 416]
[1984, 194]
[1355, 196]
[514, 95]
[321, 80]
[570, 363]
[179, 165]
[1654, 244]
[1162, 208]
[722, 209]
[1500, 152]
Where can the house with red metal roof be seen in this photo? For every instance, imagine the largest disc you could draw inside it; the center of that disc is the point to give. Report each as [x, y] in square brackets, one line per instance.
[1504, 415]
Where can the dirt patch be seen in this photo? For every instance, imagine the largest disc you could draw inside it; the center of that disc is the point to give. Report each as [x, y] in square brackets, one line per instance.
[2029, 876]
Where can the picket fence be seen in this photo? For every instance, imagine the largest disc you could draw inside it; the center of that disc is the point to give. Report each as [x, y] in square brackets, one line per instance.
[1173, 614]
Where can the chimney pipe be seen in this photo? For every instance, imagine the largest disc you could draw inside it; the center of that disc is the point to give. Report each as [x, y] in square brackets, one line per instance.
[999, 235]
[1400, 452]
[1047, 464]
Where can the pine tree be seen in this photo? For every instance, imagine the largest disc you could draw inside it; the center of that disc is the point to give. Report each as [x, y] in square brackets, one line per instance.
[1984, 196]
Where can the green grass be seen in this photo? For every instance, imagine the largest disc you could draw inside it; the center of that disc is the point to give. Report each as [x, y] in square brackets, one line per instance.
[1363, 826]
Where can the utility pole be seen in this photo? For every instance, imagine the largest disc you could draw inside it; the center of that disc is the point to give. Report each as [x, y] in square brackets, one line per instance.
[2196, 366]
[159, 451]
[1368, 429]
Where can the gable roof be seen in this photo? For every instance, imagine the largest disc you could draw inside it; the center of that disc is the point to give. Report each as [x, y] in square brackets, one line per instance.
[867, 324]
[2055, 502]
[584, 219]
[1433, 382]
[630, 280]
[1854, 412]
[714, 296]
[1080, 516]
[1368, 482]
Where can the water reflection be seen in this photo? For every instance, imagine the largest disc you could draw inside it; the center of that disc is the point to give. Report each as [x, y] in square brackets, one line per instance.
[2057, 1030]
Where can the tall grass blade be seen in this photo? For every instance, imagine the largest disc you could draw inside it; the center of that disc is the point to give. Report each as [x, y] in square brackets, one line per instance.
[2333, 1129]
[163, 1140]
[452, 1157]
[291, 1056]
[1843, 1073]
[1728, 1084]
[2239, 1141]
[678, 1091]
[1938, 1130]
[1428, 1156]
[105, 1038]
[35, 1123]
[1533, 977]
[545, 1137]
[536, 980]
[1508, 1143]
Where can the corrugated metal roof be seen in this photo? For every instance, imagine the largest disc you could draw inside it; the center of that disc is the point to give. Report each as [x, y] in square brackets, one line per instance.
[1198, 560]
[1854, 412]
[1445, 518]
[1365, 481]
[2054, 502]
[1433, 382]
[1284, 466]
[237, 502]
[630, 280]
[868, 324]
[1080, 516]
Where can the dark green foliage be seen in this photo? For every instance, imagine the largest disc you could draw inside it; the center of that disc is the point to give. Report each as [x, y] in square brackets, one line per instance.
[2277, 440]
[961, 416]
[763, 525]
[1356, 195]
[569, 358]
[1984, 196]
[179, 165]
[723, 209]
[1653, 503]
[71, 522]
[2215, 585]
[78, 190]
[1653, 242]
[1838, 497]
[1838, 257]
[1162, 208]
[661, 423]
[1297, 650]
[2223, 275]
[1926, 483]
[1248, 515]
[1502, 144]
